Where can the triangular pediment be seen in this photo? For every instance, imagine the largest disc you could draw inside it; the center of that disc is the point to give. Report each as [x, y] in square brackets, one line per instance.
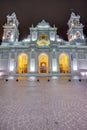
[43, 24]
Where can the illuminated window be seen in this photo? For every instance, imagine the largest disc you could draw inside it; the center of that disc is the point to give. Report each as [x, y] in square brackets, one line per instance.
[43, 36]
[76, 22]
[43, 63]
[71, 38]
[64, 63]
[22, 63]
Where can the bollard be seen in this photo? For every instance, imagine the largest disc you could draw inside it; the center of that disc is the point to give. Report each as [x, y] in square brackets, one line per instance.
[48, 80]
[37, 80]
[17, 80]
[69, 80]
[6, 80]
[79, 80]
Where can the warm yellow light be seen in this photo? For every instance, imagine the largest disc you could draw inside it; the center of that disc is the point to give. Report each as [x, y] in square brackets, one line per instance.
[64, 63]
[43, 63]
[22, 63]
[43, 42]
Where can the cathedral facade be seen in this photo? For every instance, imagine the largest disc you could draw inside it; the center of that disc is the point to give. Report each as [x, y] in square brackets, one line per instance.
[43, 52]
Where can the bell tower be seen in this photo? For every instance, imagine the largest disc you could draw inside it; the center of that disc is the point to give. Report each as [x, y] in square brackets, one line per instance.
[11, 32]
[75, 32]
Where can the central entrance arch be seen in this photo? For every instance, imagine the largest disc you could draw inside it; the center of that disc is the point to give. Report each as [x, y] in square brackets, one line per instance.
[43, 63]
[64, 63]
[22, 63]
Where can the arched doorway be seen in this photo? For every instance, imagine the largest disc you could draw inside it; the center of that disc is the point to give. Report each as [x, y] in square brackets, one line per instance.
[43, 63]
[22, 63]
[64, 63]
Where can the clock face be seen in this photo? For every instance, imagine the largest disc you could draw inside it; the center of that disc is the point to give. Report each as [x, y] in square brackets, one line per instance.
[8, 34]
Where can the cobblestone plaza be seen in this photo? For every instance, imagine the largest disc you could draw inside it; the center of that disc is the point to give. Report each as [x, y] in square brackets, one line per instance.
[54, 104]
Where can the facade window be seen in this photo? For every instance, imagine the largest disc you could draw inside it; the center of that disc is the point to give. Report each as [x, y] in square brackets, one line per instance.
[76, 22]
[52, 36]
[78, 34]
[34, 36]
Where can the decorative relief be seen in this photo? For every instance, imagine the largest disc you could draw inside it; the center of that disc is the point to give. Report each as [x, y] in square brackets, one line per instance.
[43, 40]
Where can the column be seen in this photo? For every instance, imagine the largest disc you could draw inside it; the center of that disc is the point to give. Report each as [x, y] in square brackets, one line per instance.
[70, 61]
[11, 62]
[16, 62]
[32, 61]
[54, 61]
[75, 65]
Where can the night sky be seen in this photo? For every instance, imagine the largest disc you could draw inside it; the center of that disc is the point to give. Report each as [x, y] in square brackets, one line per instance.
[33, 11]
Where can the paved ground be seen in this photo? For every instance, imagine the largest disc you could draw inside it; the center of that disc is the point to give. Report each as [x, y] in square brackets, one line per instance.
[55, 105]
